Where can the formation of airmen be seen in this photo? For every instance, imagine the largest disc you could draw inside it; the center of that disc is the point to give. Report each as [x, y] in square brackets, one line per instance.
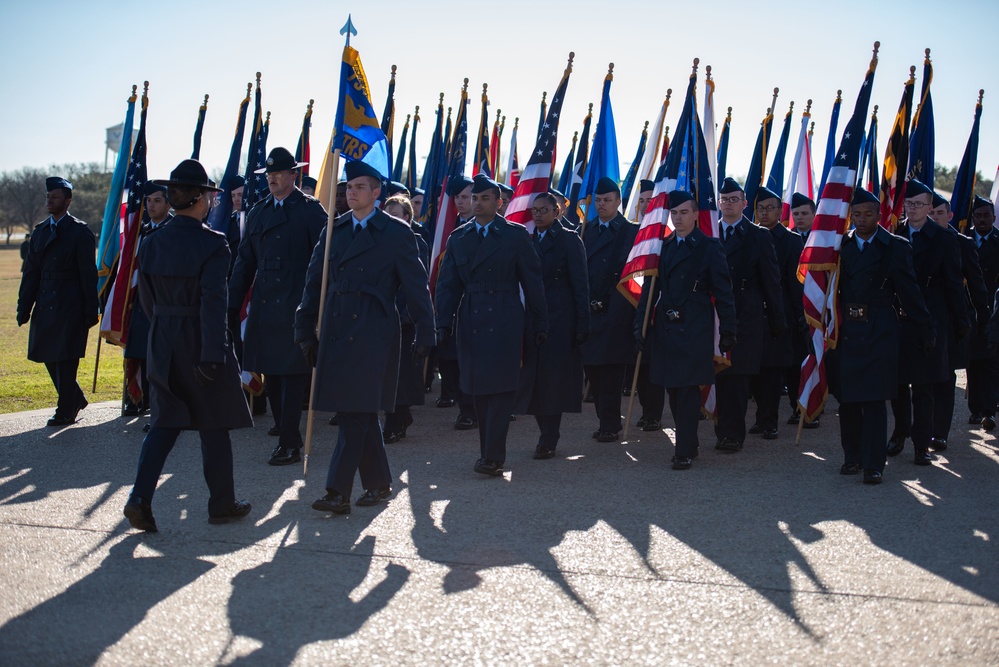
[519, 322]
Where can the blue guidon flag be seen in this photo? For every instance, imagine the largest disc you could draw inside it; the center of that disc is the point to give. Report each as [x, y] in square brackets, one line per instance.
[359, 134]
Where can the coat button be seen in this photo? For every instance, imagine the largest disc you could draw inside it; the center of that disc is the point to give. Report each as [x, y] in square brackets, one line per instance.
[360, 268]
[476, 311]
[350, 339]
[475, 331]
[491, 330]
[354, 316]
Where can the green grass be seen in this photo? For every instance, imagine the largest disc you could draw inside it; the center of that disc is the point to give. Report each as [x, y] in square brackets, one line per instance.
[25, 385]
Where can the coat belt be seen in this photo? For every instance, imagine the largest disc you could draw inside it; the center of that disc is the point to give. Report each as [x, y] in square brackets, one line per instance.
[346, 286]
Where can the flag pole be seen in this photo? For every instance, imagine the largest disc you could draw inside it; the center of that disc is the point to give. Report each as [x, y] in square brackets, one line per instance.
[638, 359]
[822, 317]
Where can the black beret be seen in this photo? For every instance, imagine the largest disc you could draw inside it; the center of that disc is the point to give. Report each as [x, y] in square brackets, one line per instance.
[482, 183]
[457, 185]
[938, 201]
[356, 169]
[798, 199]
[151, 188]
[556, 193]
[505, 189]
[419, 192]
[606, 186]
[914, 188]
[309, 182]
[394, 188]
[982, 202]
[646, 186]
[730, 185]
[862, 196]
[234, 182]
[678, 197]
[764, 194]
[53, 182]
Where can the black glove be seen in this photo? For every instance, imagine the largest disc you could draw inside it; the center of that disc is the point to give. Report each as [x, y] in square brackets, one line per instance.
[777, 329]
[443, 334]
[962, 331]
[310, 350]
[582, 337]
[206, 372]
[92, 320]
[927, 344]
[639, 343]
[540, 337]
[726, 341]
[232, 321]
[22, 318]
[420, 353]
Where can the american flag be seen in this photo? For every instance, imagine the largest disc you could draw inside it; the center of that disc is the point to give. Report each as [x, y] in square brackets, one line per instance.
[896, 160]
[257, 156]
[820, 258]
[801, 171]
[447, 216]
[650, 161]
[538, 172]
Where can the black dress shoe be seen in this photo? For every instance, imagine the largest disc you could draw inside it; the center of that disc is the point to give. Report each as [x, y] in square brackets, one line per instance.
[589, 399]
[608, 436]
[770, 434]
[541, 453]
[812, 424]
[849, 469]
[988, 422]
[132, 410]
[237, 510]
[145, 427]
[682, 463]
[284, 456]
[332, 502]
[728, 445]
[756, 429]
[491, 468]
[58, 420]
[652, 425]
[464, 423]
[274, 430]
[924, 458]
[794, 418]
[872, 477]
[374, 496]
[641, 423]
[334, 420]
[626, 392]
[896, 443]
[389, 437]
[975, 418]
[938, 444]
[445, 402]
[595, 434]
[140, 514]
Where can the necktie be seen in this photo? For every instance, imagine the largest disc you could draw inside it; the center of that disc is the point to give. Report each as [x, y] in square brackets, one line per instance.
[482, 232]
[601, 228]
[357, 229]
[728, 234]
[862, 244]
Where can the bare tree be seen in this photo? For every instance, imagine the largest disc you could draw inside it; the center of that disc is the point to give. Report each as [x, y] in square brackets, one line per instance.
[22, 198]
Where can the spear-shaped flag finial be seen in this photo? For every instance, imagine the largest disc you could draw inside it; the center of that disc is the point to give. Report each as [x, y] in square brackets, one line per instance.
[348, 29]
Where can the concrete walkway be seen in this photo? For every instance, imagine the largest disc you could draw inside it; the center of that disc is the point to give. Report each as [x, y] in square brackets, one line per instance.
[602, 555]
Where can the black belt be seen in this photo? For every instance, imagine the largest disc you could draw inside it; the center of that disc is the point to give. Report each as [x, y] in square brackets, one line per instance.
[345, 286]
[857, 312]
[492, 287]
[176, 311]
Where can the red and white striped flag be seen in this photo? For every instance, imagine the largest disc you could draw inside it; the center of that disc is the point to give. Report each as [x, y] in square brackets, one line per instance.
[447, 214]
[802, 179]
[537, 175]
[820, 259]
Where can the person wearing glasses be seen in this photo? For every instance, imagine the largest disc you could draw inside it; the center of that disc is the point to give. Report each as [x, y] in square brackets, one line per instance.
[559, 367]
[752, 264]
[778, 352]
[281, 232]
[936, 258]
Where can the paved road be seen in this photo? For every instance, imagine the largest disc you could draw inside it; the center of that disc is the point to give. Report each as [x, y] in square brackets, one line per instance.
[601, 556]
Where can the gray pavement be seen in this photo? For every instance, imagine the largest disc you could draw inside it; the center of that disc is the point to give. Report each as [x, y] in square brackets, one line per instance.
[600, 556]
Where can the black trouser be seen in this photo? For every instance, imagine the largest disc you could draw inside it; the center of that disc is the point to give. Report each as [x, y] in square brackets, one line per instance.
[685, 404]
[449, 379]
[982, 380]
[63, 374]
[943, 406]
[399, 420]
[428, 378]
[216, 461]
[652, 396]
[606, 382]
[286, 393]
[766, 389]
[493, 412]
[549, 426]
[863, 429]
[913, 412]
[792, 380]
[359, 448]
[732, 399]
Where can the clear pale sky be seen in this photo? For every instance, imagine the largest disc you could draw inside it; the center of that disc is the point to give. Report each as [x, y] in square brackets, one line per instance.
[69, 68]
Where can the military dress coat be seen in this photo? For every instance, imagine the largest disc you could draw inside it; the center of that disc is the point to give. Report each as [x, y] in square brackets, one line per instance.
[864, 365]
[138, 326]
[182, 285]
[988, 261]
[359, 343]
[978, 302]
[691, 274]
[759, 304]
[274, 255]
[59, 290]
[558, 371]
[411, 382]
[611, 337]
[479, 288]
[779, 351]
[936, 259]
